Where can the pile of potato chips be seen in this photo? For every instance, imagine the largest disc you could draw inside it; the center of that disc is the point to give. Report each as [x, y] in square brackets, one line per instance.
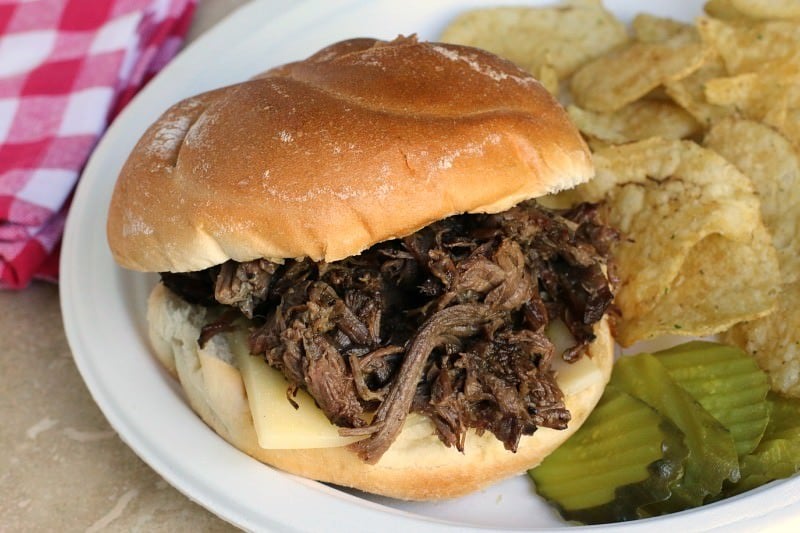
[695, 130]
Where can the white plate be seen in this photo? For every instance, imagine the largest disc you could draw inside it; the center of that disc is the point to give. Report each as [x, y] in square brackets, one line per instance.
[103, 308]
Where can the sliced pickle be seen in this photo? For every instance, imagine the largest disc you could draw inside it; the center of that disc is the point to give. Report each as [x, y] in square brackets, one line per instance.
[712, 454]
[778, 454]
[728, 384]
[773, 459]
[785, 420]
[624, 457]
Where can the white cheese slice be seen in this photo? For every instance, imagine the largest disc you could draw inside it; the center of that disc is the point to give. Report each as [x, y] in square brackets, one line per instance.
[575, 377]
[571, 377]
[278, 424]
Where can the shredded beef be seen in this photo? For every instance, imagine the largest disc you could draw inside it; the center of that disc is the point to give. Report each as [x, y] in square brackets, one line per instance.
[244, 285]
[194, 287]
[448, 322]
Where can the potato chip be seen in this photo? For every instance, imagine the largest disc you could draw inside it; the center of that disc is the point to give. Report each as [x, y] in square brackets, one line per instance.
[630, 72]
[766, 95]
[749, 97]
[715, 268]
[745, 48]
[683, 209]
[722, 9]
[791, 127]
[754, 93]
[548, 77]
[774, 166]
[651, 29]
[659, 93]
[768, 9]
[596, 144]
[769, 160]
[731, 90]
[690, 94]
[774, 341]
[564, 36]
[636, 121]
[777, 114]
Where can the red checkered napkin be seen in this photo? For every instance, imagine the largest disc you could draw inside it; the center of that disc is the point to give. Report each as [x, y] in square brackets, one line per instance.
[66, 68]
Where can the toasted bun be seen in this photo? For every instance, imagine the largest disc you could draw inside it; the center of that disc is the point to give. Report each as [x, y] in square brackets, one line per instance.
[416, 467]
[362, 142]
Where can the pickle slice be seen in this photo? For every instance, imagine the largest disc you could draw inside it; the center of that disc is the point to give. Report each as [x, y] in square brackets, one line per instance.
[785, 420]
[774, 459]
[625, 456]
[712, 454]
[728, 384]
[778, 454]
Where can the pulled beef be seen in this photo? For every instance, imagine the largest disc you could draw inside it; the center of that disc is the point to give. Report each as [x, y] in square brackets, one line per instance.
[497, 386]
[448, 322]
[194, 287]
[446, 328]
[244, 285]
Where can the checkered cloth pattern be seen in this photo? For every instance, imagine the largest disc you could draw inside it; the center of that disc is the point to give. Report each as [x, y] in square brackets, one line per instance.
[66, 69]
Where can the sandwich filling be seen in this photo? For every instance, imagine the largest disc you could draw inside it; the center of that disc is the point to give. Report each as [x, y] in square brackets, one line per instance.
[449, 322]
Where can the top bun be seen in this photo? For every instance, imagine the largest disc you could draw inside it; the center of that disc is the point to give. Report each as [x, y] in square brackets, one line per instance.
[362, 142]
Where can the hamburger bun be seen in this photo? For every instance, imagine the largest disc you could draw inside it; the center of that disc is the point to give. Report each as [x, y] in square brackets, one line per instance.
[416, 467]
[308, 159]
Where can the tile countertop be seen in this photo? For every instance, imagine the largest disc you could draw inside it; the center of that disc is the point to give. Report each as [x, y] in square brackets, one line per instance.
[62, 467]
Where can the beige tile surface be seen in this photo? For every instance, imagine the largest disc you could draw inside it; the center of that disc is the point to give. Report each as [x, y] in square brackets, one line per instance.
[62, 467]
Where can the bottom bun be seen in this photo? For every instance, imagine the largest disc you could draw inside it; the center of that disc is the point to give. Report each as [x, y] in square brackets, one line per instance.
[416, 467]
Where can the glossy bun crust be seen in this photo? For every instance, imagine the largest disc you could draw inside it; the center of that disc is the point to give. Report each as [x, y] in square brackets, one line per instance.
[362, 142]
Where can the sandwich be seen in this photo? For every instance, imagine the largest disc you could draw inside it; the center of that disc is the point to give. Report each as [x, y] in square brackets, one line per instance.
[358, 285]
